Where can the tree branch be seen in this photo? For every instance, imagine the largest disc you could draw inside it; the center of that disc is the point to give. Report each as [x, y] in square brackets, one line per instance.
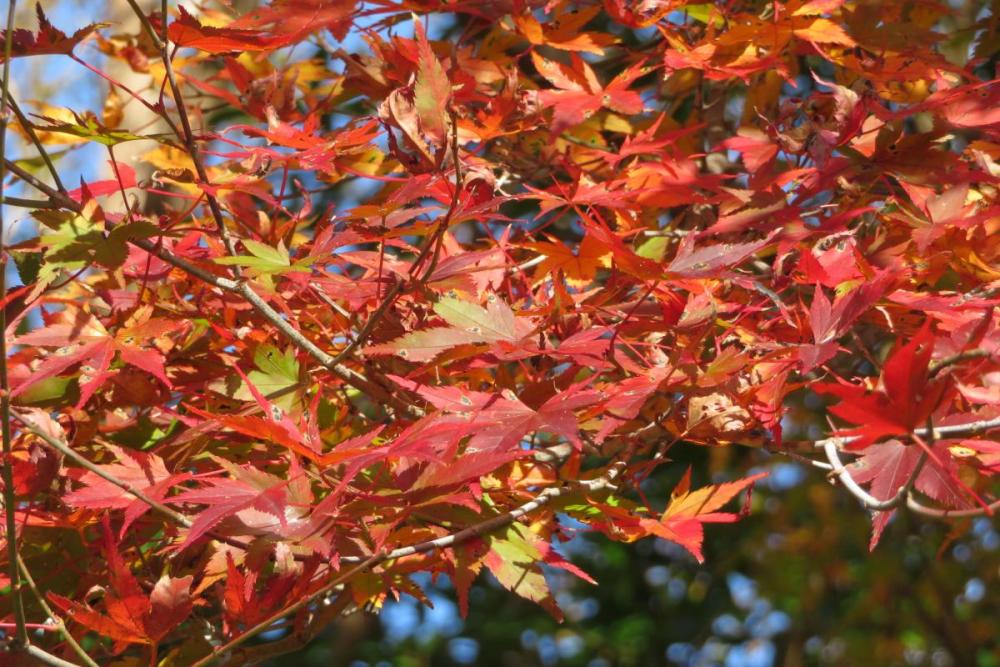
[29, 129]
[939, 432]
[9, 498]
[905, 493]
[47, 658]
[264, 625]
[59, 623]
[919, 508]
[163, 509]
[333, 364]
[20, 202]
[941, 364]
[39, 185]
[433, 243]
[298, 638]
[188, 135]
[82, 461]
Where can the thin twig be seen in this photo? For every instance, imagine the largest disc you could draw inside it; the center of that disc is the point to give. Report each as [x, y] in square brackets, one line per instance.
[845, 478]
[21, 202]
[82, 461]
[32, 180]
[905, 493]
[9, 497]
[916, 506]
[187, 136]
[295, 606]
[29, 129]
[47, 658]
[941, 364]
[433, 243]
[147, 26]
[940, 432]
[298, 638]
[56, 619]
[163, 509]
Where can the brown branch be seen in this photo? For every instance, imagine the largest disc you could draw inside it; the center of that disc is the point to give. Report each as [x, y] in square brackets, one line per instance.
[298, 638]
[433, 242]
[156, 110]
[348, 375]
[29, 129]
[848, 482]
[39, 185]
[82, 461]
[905, 492]
[919, 508]
[941, 364]
[147, 26]
[978, 427]
[20, 202]
[9, 497]
[56, 619]
[47, 658]
[266, 624]
[188, 135]
[163, 509]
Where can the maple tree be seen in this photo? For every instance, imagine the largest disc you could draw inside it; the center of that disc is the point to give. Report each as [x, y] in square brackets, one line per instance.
[426, 286]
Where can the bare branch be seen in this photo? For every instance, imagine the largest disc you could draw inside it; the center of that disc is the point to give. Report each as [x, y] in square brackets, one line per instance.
[939, 433]
[433, 243]
[20, 202]
[843, 474]
[916, 506]
[39, 185]
[163, 509]
[299, 637]
[9, 498]
[56, 619]
[82, 461]
[264, 625]
[348, 375]
[188, 135]
[29, 129]
[47, 658]
[147, 26]
[944, 363]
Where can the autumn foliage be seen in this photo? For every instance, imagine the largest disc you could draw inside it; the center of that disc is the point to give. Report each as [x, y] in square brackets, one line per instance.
[426, 286]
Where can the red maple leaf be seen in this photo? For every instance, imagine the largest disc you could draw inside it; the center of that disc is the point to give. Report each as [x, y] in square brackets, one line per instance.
[580, 94]
[888, 467]
[186, 30]
[256, 498]
[905, 398]
[48, 40]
